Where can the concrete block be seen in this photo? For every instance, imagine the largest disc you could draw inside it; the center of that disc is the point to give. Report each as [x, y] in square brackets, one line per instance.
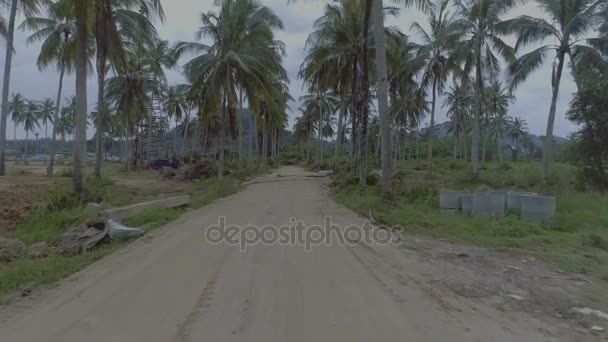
[514, 199]
[488, 204]
[324, 173]
[467, 203]
[450, 200]
[118, 214]
[538, 208]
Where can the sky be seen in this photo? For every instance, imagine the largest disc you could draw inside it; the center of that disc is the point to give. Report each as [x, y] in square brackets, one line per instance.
[533, 96]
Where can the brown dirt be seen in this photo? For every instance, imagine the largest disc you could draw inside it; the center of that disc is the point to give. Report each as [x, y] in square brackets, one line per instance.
[176, 286]
[18, 194]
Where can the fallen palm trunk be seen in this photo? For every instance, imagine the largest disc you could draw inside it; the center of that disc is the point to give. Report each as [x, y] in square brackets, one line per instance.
[118, 214]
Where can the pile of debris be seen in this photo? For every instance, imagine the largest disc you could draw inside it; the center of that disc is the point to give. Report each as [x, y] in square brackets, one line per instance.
[95, 232]
[190, 172]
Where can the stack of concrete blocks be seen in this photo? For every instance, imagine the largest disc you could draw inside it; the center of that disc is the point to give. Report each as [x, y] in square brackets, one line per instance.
[494, 204]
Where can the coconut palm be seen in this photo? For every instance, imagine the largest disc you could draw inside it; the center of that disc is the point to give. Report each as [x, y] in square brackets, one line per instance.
[440, 60]
[459, 100]
[408, 102]
[116, 23]
[480, 50]
[320, 106]
[243, 55]
[17, 108]
[569, 34]
[498, 100]
[47, 114]
[334, 52]
[31, 121]
[28, 7]
[81, 12]
[304, 128]
[516, 130]
[57, 32]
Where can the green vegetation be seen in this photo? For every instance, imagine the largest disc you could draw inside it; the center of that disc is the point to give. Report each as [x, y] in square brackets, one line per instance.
[576, 241]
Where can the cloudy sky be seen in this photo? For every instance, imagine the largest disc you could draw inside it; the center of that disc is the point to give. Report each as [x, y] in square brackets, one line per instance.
[533, 97]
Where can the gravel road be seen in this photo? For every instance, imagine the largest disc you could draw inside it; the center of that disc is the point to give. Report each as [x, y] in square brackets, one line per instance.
[174, 285]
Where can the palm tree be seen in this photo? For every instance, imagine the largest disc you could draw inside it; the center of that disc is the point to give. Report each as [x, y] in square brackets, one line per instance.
[175, 103]
[57, 32]
[478, 24]
[47, 110]
[438, 51]
[570, 34]
[28, 7]
[17, 108]
[304, 128]
[459, 101]
[81, 12]
[498, 100]
[115, 22]
[516, 130]
[30, 121]
[243, 55]
[320, 106]
[334, 53]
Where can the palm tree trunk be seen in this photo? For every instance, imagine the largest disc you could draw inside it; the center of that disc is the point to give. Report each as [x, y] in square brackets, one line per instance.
[353, 111]
[477, 114]
[8, 61]
[432, 128]
[101, 75]
[182, 154]
[220, 144]
[547, 151]
[251, 136]
[240, 125]
[499, 143]
[264, 138]
[80, 119]
[382, 93]
[320, 131]
[455, 145]
[364, 100]
[339, 137]
[27, 135]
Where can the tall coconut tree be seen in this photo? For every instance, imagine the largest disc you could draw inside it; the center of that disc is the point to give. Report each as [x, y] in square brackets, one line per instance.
[31, 121]
[47, 114]
[115, 23]
[498, 100]
[459, 101]
[57, 32]
[28, 7]
[374, 10]
[440, 60]
[243, 55]
[321, 106]
[334, 56]
[81, 13]
[17, 108]
[568, 34]
[517, 130]
[480, 50]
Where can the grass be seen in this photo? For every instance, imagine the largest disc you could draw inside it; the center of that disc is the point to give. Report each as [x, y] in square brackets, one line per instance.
[576, 241]
[62, 209]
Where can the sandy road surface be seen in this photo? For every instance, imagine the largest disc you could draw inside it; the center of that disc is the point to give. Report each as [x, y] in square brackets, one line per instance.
[175, 286]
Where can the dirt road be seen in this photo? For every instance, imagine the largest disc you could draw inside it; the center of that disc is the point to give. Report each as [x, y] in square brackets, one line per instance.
[176, 286]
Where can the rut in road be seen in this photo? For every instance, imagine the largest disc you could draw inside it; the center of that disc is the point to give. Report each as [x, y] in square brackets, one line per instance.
[177, 286]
